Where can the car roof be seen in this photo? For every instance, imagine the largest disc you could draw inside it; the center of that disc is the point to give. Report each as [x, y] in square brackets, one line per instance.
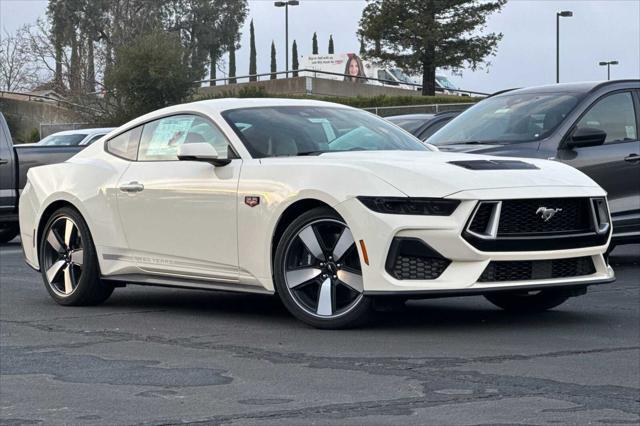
[578, 87]
[84, 131]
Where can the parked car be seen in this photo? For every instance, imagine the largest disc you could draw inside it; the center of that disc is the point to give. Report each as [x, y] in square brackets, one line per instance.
[590, 126]
[75, 137]
[14, 163]
[423, 126]
[328, 206]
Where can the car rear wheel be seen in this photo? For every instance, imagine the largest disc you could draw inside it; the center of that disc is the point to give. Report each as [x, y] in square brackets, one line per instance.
[69, 263]
[317, 271]
[528, 302]
[8, 231]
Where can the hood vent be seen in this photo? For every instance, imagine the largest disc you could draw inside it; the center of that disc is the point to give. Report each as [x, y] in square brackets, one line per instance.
[494, 165]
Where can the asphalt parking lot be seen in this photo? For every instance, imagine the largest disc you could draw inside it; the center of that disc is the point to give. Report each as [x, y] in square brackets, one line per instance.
[163, 356]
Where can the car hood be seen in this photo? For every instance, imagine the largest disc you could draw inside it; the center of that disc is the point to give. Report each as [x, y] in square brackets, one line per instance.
[432, 174]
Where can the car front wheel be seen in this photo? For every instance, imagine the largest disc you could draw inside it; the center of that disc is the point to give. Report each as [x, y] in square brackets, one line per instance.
[69, 263]
[528, 302]
[317, 271]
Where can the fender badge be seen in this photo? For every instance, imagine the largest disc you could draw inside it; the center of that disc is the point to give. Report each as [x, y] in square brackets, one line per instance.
[252, 201]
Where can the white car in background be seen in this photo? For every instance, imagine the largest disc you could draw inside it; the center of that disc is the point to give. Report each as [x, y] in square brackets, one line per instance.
[75, 137]
[328, 206]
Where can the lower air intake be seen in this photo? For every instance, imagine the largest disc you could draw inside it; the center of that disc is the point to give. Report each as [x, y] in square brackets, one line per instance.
[537, 269]
[411, 259]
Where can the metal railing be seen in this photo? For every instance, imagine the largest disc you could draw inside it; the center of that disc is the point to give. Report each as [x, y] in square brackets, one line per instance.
[387, 111]
[306, 72]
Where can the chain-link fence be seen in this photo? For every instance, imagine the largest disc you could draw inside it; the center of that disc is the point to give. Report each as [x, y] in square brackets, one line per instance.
[418, 109]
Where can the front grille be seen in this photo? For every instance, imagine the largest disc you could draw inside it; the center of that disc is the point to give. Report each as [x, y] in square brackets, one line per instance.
[526, 270]
[519, 217]
[412, 259]
[538, 224]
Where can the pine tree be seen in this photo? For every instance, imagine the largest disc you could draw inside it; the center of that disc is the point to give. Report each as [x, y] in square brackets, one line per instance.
[314, 43]
[253, 70]
[273, 61]
[331, 44]
[363, 50]
[420, 36]
[232, 64]
[294, 58]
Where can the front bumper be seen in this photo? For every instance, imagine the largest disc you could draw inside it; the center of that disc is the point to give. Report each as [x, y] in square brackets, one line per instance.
[443, 234]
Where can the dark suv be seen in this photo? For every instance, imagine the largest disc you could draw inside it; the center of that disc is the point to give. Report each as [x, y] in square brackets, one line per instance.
[590, 126]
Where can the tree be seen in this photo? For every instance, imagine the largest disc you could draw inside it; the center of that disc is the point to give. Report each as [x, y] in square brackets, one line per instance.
[151, 72]
[294, 58]
[17, 70]
[363, 50]
[252, 53]
[420, 36]
[87, 34]
[273, 61]
[232, 64]
[314, 43]
[330, 44]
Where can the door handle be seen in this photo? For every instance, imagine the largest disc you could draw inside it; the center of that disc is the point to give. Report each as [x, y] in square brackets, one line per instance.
[3, 161]
[632, 158]
[132, 187]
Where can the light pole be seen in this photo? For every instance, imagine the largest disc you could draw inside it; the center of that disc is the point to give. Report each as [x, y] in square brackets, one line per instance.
[608, 64]
[286, 5]
[563, 14]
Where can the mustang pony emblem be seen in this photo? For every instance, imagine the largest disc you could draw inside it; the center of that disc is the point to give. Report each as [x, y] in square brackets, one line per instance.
[546, 214]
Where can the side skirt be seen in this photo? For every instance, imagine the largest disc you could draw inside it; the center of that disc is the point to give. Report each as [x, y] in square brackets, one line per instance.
[191, 283]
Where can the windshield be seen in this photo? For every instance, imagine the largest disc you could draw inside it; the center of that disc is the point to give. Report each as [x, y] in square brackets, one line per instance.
[445, 83]
[397, 72]
[62, 140]
[508, 119]
[307, 130]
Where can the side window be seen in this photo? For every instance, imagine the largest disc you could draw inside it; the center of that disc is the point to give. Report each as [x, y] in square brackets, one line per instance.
[614, 115]
[161, 138]
[125, 145]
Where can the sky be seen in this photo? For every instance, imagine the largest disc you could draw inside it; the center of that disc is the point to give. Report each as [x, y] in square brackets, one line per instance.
[600, 30]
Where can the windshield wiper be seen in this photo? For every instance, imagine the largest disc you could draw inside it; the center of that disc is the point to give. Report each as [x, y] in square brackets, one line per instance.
[473, 143]
[330, 151]
[311, 152]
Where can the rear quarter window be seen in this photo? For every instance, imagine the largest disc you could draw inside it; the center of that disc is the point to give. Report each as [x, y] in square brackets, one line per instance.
[125, 145]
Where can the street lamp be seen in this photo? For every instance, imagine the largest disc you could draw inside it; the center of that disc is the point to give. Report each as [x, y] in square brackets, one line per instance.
[608, 64]
[286, 5]
[561, 14]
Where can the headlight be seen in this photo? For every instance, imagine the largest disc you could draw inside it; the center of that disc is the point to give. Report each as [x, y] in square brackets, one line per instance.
[411, 206]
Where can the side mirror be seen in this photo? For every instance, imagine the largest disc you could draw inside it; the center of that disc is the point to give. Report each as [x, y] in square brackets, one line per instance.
[586, 136]
[200, 151]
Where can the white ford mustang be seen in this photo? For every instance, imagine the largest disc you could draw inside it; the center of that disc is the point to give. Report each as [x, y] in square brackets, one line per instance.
[328, 206]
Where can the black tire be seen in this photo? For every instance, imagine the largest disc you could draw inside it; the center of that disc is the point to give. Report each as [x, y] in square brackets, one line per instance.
[8, 231]
[87, 288]
[350, 315]
[524, 302]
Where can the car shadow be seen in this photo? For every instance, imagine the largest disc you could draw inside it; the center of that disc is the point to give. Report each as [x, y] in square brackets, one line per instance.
[434, 314]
